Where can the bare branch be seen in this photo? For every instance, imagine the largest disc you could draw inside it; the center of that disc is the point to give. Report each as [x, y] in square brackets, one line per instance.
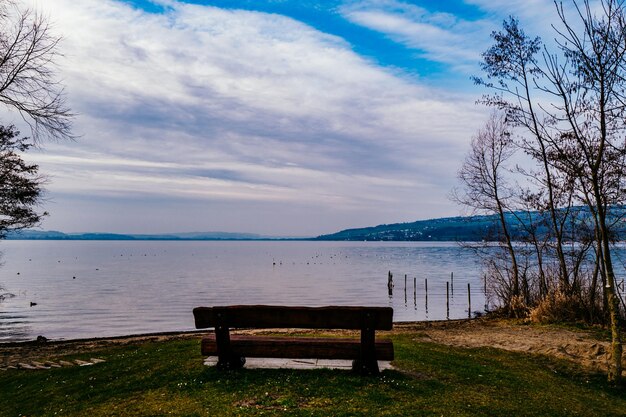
[28, 83]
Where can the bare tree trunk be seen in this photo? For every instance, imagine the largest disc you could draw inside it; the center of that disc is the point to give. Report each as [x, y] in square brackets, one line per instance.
[549, 184]
[511, 250]
[615, 371]
[558, 231]
[543, 286]
[593, 288]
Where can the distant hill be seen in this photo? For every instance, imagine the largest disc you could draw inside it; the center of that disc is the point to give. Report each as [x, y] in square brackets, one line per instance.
[54, 235]
[467, 229]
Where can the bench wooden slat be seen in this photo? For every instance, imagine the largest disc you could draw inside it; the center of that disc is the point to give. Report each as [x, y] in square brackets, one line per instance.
[296, 347]
[260, 317]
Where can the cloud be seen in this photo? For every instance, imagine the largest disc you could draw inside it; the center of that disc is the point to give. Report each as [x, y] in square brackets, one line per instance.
[437, 36]
[536, 16]
[527, 9]
[244, 109]
[451, 39]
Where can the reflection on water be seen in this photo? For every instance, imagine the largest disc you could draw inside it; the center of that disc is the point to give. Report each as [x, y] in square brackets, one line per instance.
[72, 289]
[12, 327]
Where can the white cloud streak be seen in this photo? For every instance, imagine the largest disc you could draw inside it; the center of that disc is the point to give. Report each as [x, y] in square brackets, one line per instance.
[436, 36]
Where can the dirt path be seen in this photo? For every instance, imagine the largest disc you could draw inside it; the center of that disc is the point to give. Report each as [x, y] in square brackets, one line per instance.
[577, 346]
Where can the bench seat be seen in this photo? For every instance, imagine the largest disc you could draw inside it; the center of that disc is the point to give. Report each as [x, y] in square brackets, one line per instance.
[296, 347]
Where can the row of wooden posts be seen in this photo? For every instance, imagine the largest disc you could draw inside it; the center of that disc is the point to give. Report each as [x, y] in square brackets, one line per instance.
[449, 286]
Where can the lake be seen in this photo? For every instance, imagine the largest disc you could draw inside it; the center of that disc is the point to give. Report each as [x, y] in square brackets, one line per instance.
[111, 288]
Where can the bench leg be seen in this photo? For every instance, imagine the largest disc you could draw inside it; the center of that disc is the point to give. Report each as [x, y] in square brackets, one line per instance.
[225, 357]
[365, 368]
[367, 363]
[233, 362]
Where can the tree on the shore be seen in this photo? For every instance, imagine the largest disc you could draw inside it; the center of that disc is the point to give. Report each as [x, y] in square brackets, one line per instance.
[512, 68]
[28, 85]
[567, 106]
[20, 184]
[486, 191]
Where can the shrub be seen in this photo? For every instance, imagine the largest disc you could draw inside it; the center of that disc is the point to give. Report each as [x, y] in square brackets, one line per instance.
[558, 307]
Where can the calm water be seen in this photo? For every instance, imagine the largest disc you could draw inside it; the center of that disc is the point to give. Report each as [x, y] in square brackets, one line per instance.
[107, 288]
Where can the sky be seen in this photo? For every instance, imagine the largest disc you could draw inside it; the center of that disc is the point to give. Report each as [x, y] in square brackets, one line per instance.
[277, 117]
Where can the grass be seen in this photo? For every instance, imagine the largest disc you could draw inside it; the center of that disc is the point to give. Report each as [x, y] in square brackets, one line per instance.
[168, 378]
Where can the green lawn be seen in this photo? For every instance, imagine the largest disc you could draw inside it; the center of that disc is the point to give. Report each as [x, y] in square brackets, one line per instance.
[168, 378]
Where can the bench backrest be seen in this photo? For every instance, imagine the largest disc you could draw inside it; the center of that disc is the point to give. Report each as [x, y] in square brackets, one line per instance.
[267, 317]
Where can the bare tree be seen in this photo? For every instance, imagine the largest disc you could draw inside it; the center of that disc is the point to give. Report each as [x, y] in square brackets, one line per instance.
[485, 187]
[512, 70]
[28, 82]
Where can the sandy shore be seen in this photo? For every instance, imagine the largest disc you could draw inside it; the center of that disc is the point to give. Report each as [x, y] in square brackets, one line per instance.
[582, 347]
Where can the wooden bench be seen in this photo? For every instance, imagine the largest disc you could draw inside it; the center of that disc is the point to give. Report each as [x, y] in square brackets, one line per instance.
[232, 350]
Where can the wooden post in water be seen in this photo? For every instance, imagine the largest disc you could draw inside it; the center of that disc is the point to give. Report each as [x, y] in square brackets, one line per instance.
[426, 292]
[485, 279]
[415, 293]
[390, 283]
[469, 302]
[447, 300]
[452, 282]
[405, 303]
